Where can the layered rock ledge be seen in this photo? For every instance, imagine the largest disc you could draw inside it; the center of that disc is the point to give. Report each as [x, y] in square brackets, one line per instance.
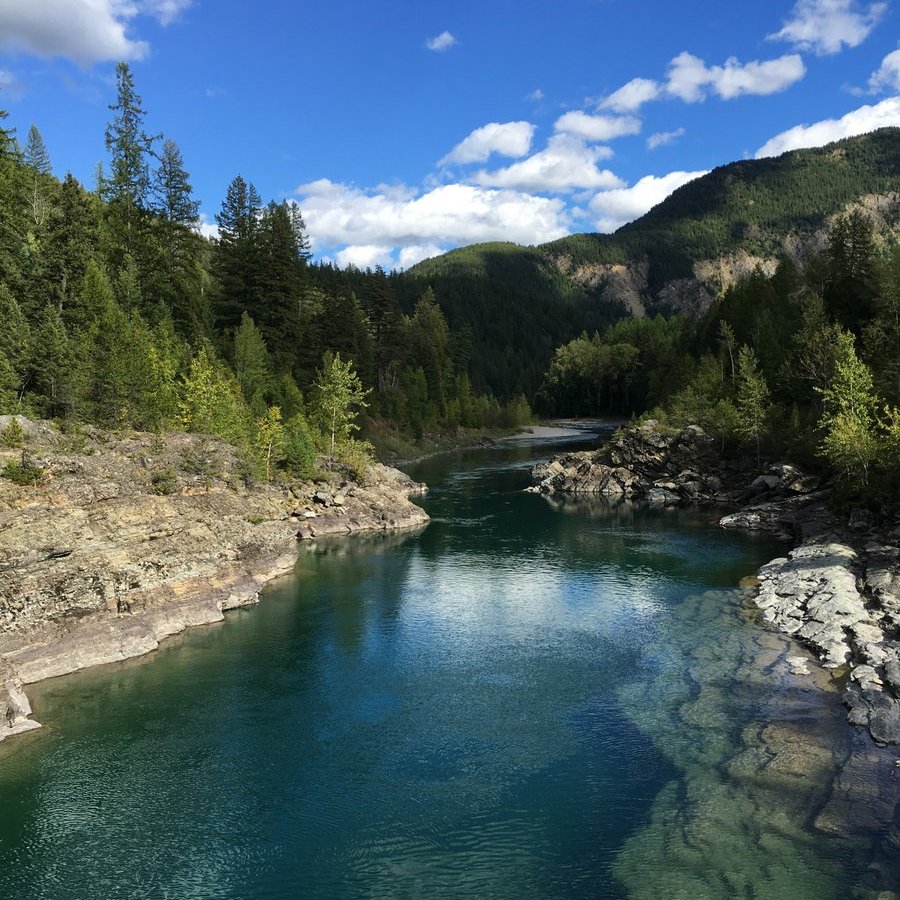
[128, 540]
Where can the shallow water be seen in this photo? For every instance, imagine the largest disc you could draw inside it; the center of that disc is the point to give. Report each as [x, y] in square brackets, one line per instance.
[523, 700]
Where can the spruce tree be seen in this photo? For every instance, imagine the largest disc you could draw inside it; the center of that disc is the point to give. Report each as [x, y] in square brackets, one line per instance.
[279, 283]
[252, 365]
[237, 252]
[129, 182]
[35, 154]
[848, 420]
[753, 400]
[9, 147]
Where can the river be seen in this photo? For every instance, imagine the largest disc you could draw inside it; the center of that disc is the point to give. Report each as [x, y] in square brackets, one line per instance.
[523, 700]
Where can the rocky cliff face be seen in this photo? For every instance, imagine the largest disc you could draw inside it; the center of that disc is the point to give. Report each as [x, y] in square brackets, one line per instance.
[130, 539]
[628, 285]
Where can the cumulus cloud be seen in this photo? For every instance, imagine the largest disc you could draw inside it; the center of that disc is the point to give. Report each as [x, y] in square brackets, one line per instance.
[597, 128]
[614, 208]
[887, 76]
[663, 138]
[859, 121]
[827, 26]
[506, 138]
[86, 31]
[690, 78]
[440, 43]
[365, 227]
[632, 96]
[566, 164]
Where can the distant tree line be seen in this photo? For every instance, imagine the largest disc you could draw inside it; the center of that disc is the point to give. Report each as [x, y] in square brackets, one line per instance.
[805, 362]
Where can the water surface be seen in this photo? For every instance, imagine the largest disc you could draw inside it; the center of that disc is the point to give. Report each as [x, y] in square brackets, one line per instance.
[523, 700]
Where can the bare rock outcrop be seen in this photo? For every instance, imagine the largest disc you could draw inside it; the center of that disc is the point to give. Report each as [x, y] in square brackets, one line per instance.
[126, 540]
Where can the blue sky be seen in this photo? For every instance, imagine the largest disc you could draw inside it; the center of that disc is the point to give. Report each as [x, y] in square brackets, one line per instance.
[404, 129]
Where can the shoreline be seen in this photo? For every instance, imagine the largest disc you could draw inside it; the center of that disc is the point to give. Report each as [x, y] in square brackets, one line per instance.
[98, 566]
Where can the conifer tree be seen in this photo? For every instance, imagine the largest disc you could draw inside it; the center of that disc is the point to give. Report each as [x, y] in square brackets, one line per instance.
[53, 365]
[9, 148]
[337, 396]
[278, 282]
[753, 401]
[129, 182]
[237, 253]
[848, 420]
[252, 364]
[35, 154]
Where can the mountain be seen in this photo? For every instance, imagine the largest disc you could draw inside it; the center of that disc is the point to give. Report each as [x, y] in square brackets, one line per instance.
[519, 302]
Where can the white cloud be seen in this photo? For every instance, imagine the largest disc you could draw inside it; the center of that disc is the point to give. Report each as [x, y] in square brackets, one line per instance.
[859, 121]
[689, 77]
[597, 128]
[86, 31]
[440, 43]
[663, 138]
[365, 256]
[887, 77]
[566, 164]
[506, 138]
[827, 26]
[207, 226]
[409, 256]
[614, 208]
[342, 216]
[535, 96]
[632, 96]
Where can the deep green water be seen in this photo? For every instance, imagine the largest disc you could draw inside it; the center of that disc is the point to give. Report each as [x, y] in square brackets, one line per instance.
[520, 701]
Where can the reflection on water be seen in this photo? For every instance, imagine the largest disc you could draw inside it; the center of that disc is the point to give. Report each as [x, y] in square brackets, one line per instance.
[519, 701]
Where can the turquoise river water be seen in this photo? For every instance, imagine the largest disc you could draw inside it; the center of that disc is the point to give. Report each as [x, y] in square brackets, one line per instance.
[523, 700]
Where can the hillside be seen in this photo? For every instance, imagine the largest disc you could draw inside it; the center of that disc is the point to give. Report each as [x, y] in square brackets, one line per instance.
[678, 256]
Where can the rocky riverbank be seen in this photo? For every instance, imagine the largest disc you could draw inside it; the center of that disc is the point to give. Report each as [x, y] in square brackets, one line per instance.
[126, 540]
[837, 591]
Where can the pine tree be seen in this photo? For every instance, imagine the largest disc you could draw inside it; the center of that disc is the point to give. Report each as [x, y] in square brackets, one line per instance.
[9, 147]
[337, 395]
[753, 401]
[236, 261]
[128, 186]
[252, 365]
[53, 365]
[848, 420]
[279, 282]
[35, 153]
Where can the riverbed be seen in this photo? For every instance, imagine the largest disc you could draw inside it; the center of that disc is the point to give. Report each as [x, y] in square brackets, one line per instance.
[526, 699]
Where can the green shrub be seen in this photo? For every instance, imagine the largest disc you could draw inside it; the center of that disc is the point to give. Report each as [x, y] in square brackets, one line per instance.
[164, 481]
[12, 435]
[23, 472]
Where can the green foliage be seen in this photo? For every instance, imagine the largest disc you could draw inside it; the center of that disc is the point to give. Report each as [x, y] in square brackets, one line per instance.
[24, 472]
[164, 481]
[12, 435]
[298, 448]
[338, 396]
[848, 420]
[212, 402]
[269, 441]
[753, 398]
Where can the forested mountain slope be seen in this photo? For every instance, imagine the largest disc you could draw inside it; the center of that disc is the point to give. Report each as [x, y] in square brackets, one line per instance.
[519, 301]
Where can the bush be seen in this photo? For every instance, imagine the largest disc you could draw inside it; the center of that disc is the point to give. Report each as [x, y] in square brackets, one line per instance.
[164, 481]
[23, 472]
[12, 435]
